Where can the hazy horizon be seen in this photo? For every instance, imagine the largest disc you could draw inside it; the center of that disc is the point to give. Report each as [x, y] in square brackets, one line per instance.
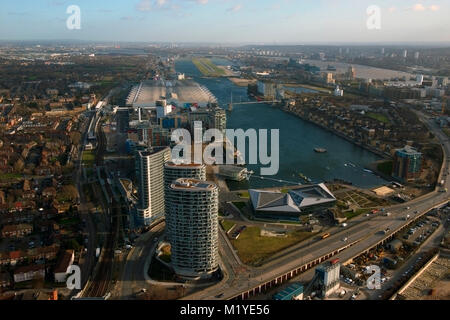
[269, 22]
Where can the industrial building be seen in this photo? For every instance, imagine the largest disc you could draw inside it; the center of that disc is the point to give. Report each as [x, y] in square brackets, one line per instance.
[327, 277]
[180, 93]
[293, 292]
[278, 205]
[407, 164]
[150, 175]
[193, 228]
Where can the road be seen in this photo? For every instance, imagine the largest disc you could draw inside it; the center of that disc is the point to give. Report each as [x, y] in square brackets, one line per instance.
[365, 235]
[133, 278]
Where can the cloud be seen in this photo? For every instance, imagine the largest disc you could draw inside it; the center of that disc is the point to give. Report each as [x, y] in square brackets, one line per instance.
[392, 9]
[418, 7]
[144, 5]
[434, 7]
[236, 8]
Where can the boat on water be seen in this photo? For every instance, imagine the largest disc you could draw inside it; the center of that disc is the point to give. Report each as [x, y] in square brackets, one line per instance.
[368, 171]
[320, 150]
[301, 175]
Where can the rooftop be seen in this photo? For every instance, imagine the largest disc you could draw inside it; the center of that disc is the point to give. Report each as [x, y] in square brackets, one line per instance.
[183, 165]
[294, 201]
[193, 184]
[177, 92]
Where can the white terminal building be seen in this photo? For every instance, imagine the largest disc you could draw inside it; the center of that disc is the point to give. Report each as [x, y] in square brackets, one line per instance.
[176, 92]
[193, 228]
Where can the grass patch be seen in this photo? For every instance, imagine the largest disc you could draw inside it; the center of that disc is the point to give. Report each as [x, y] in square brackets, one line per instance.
[254, 249]
[379, 117]
[240, 205]
[88, 158]
[446, 131]
[69, 221]
[10, 176]
[207, 67]
[351, 215]
[227, 225]
[244, 195]
[386, 167]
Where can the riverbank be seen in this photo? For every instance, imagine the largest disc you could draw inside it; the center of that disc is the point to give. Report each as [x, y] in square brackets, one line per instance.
[307, 86]
[343, 136]
[241, 82]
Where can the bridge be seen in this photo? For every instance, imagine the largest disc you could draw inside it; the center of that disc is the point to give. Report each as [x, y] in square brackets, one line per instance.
[230, 105]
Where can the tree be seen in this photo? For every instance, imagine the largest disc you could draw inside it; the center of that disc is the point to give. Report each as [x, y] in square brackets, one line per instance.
[19, 165]
[75, 138]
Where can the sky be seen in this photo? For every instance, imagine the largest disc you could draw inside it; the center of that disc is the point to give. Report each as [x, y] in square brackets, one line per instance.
[229, 21]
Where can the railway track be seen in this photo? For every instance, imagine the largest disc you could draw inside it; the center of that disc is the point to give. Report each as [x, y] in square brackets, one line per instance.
[99, 286]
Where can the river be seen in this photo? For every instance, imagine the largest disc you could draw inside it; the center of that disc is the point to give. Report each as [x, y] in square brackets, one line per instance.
[298, 139]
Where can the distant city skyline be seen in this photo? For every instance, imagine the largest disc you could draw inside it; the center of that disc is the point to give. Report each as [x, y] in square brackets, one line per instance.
[228, 21]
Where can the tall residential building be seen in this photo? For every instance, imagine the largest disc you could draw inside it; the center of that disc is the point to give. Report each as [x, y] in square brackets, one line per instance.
[267, 89]
[150, 176]
[211, 118]
[193, 228]
[351, 73]
[173, 172]
[407, 164]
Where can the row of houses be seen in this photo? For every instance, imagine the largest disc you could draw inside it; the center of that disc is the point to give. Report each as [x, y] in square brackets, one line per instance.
[39, 271]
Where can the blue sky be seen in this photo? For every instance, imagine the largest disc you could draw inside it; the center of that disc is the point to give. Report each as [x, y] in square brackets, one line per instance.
[227, 21]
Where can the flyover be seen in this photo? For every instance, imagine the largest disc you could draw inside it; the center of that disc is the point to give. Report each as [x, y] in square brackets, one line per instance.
[360, 238]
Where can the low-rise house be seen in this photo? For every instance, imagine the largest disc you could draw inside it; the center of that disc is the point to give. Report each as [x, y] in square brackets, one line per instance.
[63, 265]
[28, 273]
[16, 231]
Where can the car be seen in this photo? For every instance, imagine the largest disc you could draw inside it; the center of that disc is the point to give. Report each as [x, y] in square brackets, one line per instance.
[345, 239]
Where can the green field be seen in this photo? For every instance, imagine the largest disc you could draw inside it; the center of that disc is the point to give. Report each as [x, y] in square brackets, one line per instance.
[379, 117]
[447, 131]
[240, 205]
[253, 249]
[244, 195]
[88, 158]
[208, 68]
[351, 215]
[227, 225]
[10, 176]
